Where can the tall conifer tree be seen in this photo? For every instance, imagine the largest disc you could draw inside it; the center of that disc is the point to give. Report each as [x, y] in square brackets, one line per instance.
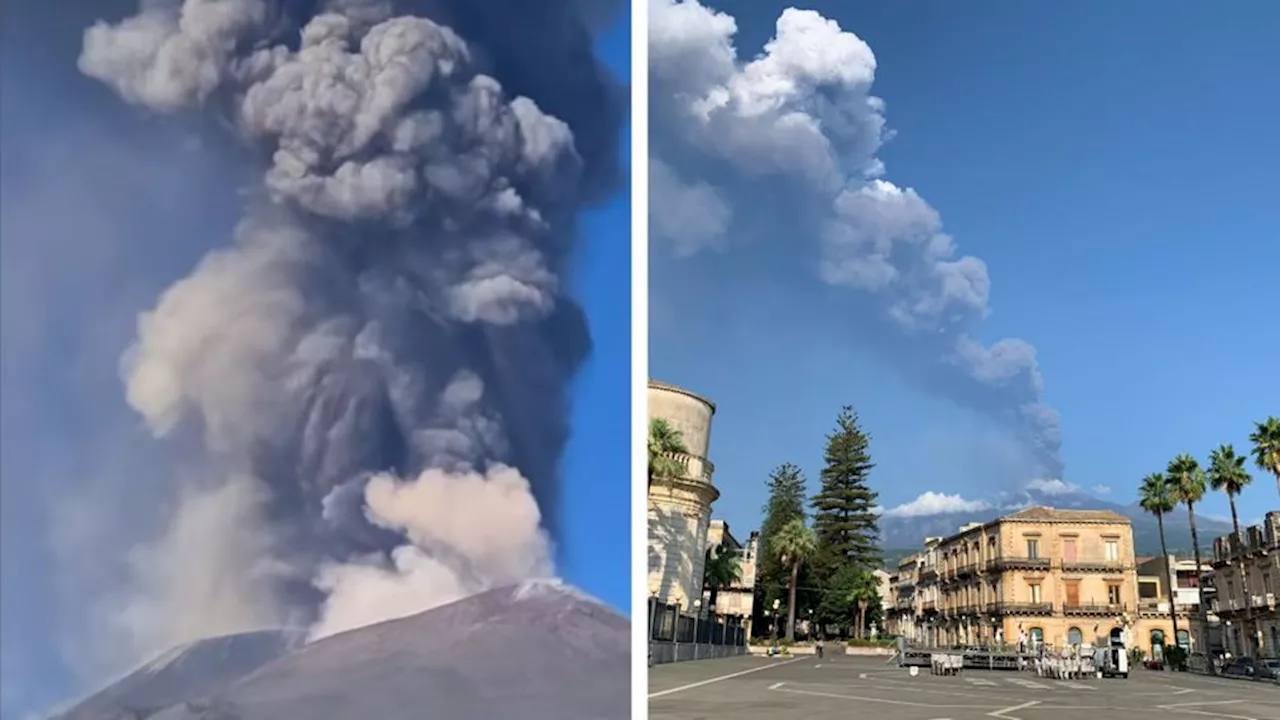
[844, 519]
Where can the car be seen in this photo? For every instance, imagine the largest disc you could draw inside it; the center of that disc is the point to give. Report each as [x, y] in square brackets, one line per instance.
[1268, 668]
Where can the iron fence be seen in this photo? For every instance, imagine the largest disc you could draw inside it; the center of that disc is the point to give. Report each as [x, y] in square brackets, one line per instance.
[672, 624]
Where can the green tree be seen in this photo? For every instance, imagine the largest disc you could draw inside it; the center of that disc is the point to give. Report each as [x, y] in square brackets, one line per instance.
[1155, 497]
[1266, 447]
[721, 570]
[786, 503]
[794, 545]
[844, 518]
[1227, 474]
[1187, 487]
[664, 443]
[852, 597]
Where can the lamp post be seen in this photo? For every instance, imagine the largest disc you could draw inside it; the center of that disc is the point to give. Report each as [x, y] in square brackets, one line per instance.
[697, 615]
[776, 603]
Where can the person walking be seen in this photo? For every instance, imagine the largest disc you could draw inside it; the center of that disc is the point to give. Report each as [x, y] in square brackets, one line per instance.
[818, 645]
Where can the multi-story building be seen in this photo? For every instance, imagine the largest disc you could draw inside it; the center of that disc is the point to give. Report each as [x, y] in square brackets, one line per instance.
[738, 599]
[1246, 573]
[680, 507]
[1156, 575]
[1059, 577]
[900, 610]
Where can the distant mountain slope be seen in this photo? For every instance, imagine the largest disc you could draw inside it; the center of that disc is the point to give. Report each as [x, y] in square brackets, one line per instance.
[539, 651]
[909, 532]
[185, 672]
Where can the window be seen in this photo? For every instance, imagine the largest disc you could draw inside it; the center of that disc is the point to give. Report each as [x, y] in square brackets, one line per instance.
[1184, 639]
[1069, 550]
[1266, 582]
[1033, 548]
[1113, 550]
[1113, 594]
[1074, 636]
[1033, 589]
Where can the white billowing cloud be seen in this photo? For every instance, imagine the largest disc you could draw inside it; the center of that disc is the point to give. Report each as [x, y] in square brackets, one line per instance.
[801, 115]
[932, 503]
[213, 572]
[1101, 489]
[466, 532]
[1052, 486]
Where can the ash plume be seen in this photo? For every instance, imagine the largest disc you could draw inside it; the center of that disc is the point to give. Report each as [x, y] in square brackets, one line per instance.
[798, 126]
[394, 303]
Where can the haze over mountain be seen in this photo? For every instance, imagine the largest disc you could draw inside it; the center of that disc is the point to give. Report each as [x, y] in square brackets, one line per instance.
[536, 651]
[906, 526]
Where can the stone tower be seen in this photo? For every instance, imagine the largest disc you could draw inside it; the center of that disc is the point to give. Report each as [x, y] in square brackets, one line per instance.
[680, 508]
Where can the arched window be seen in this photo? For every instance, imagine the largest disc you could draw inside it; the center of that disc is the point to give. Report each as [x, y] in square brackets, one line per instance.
[1074, 636]
[1157, 637]
[1117, 637]
[1037, 635]
[1184, 639]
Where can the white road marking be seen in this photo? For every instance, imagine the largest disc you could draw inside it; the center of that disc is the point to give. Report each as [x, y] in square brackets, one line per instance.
[776, 685]
[817, 666]
[862, 676]
[1190, 707]
[1077, 686]
[980, 681]
[691, 686]
[1002, 712]
[1029, 684]
[885, 701]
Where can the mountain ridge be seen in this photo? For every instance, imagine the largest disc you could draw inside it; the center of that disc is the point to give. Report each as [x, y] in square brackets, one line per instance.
[539, 650]
[899, 533]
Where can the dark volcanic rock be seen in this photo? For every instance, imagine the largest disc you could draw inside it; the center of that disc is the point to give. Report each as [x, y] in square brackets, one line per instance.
[538, 651]
[186, 672]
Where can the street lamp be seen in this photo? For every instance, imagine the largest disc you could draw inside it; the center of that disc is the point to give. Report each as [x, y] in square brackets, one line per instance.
[697, 615]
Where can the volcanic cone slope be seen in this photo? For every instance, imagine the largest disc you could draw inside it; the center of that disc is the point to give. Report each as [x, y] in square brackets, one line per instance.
[538, 651]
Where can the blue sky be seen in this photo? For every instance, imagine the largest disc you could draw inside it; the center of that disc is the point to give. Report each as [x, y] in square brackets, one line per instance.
[1114, 166]
[86, 180]
[597, 465]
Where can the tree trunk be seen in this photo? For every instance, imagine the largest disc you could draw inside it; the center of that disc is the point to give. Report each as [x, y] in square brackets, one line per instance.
[1249, 636]
[1204, 606]
[862, 619]
[791, 603]
[1171, 577]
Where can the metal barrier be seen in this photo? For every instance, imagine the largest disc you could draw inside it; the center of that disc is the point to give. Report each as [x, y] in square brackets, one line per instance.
[675, 636]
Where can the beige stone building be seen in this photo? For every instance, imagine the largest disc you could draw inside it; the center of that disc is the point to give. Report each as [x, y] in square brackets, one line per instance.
[1249, 561]
[738, 599]
[679, 513]
[1058, 577]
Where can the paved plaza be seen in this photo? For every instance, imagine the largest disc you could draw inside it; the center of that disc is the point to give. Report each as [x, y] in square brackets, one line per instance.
[755, 688]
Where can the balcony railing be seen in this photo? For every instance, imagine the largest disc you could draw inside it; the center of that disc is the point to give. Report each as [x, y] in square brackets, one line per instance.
[695, 467]
[1014, 561]
[1020, 608]
[1091, 608]
[1103, 565]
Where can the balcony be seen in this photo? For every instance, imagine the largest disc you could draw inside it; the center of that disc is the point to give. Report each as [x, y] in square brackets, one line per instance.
[1097, 609]
[1013, 562]
[1020, 608]
[929, 606]
[966, 570]
[696, 468]
[929, 572]
[1079, 565]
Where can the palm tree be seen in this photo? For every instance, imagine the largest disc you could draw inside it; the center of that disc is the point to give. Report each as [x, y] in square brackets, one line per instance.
[1154, 497]
[1227, 474]
[861, 594]
[1266, 447]
[664, 441]
[721, 570]
[1187, 483]
[794, 544]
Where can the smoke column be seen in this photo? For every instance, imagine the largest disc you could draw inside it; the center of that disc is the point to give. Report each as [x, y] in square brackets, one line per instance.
[377, 363]
[799, 127]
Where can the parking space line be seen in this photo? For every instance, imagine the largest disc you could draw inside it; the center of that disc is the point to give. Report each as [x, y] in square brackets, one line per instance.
[885, 701]
[700, 683]
[1001, 713]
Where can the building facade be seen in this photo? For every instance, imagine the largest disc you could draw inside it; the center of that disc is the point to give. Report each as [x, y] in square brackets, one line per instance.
[737, 600]
[1246, 573]
[1040, 575]
[679, 513]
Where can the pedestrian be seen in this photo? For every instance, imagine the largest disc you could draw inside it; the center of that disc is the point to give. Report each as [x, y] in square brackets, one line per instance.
[819, 647]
